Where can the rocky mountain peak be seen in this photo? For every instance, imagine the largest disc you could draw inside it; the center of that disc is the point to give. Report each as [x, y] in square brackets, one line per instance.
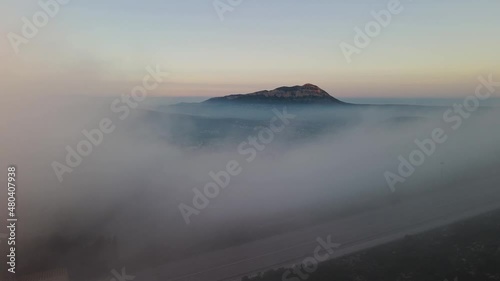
[307, 93]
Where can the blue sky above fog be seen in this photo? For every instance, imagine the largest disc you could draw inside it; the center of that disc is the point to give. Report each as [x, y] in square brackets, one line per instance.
[433, 48]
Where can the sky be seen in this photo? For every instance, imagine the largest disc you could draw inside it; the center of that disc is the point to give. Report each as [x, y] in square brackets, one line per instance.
[94, 47]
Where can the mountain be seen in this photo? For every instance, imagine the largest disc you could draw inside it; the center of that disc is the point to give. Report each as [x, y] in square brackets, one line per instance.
[307, 93]
[218, 121]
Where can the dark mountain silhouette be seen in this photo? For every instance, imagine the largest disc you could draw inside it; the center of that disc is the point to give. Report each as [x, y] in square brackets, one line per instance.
[219, 120]
[307, 93]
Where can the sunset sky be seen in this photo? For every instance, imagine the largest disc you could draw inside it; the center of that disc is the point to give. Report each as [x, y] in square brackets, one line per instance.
[95, 47]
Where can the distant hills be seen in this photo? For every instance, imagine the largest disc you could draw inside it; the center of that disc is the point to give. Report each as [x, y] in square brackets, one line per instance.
[306, 94]
[217, 121]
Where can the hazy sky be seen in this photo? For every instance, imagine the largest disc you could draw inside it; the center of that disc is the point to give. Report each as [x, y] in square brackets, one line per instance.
[432, 48]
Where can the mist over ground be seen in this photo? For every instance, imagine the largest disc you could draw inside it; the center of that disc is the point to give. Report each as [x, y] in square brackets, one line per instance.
[326, 163]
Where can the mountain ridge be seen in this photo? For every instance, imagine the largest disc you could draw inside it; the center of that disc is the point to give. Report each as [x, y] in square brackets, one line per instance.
[307, 93]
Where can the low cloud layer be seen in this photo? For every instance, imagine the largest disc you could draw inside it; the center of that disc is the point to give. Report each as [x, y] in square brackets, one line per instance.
[131, 185]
